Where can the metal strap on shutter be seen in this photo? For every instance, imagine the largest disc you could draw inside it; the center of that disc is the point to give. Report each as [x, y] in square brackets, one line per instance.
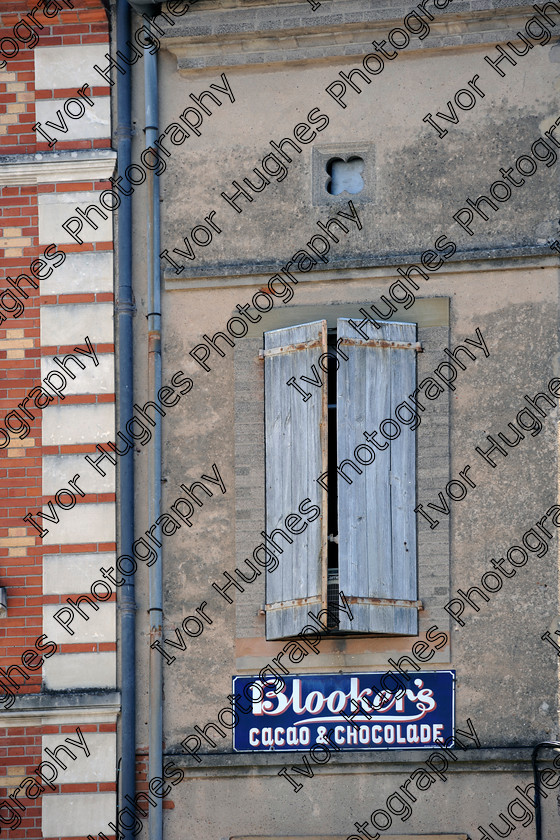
[377, 526]
[296, 447]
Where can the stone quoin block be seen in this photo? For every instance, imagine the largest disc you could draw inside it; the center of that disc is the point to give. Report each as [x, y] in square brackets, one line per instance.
[94, 123]
[80, 670]
[100, 626]
[70, 573]
[85, 272]
[69, 66]
[99, 766]
[70, 323]
[85, 523]
[57, 208]
[57, 469]
[75, 815]
[63, 425]
[98, 379]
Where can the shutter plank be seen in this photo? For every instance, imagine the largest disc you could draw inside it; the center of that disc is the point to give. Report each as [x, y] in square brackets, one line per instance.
[377, 527]
[295, 457]
[403, 474]
[363, 528]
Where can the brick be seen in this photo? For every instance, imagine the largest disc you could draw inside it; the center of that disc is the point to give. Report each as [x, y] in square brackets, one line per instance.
[92, 39]
[16, 541]
[18, 242]
[16, 442]
[16, 770]
[76, 186]
[15, 343]
[97, 15]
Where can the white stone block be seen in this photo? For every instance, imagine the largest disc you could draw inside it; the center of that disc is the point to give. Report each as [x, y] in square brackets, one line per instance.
[69, 323]
[95, 122]
[98, 766]
[91, 379]
[56, 208]
[78, 814]
[87, 523]
[90, 271]
[70, 573]
[57, 469]
[100, 626]
[80, 670]
[65, 67]
[67, 424]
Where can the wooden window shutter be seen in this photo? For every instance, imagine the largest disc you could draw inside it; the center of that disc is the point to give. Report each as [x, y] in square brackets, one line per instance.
[376, 519]
[296, 451]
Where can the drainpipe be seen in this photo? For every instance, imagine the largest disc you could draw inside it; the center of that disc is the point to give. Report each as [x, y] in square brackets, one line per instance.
[555, 745]
[124, 309]
[154, 458]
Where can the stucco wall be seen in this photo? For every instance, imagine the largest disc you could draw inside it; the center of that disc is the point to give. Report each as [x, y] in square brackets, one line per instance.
[503, 280]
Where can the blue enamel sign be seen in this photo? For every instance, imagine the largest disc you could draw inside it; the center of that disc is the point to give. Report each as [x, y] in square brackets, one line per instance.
[301, 711]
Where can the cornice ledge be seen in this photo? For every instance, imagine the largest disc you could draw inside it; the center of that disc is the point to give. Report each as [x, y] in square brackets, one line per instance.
[63, 708]
[359, 267]
[202, 45]
[56, 167]
[486, 759]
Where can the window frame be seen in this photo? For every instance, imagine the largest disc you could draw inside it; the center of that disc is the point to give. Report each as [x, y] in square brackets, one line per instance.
[377, 557]
[252, 651]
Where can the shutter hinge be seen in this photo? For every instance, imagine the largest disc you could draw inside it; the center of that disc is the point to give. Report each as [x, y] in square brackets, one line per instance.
[310, 601]
[381, 342]
[290, 348]
[385, 602]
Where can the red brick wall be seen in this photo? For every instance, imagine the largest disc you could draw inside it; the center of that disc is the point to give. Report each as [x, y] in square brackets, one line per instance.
[20, 465]
[85, 24]
[20, 355]
[20, 479]
[20, 755]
